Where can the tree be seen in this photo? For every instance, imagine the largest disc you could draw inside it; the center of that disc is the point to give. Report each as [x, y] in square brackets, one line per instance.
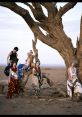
[55, 36]
[34, 42]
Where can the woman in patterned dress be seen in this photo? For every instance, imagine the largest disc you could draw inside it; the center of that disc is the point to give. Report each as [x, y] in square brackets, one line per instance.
[13, 83]
[74, 86]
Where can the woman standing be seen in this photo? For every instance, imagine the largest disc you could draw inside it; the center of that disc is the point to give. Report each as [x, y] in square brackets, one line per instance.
[36, 77]
[13, 83]
[73, 85]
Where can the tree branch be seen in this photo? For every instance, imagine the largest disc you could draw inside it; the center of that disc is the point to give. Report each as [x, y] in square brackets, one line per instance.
[37, 11]
[51, 8]
[20, 11]
[43, 26]
[39, 14]
[14, 7]
[66, 8]
[34, 42]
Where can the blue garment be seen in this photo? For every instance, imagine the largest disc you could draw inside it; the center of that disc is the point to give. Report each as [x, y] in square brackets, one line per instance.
[20, 71]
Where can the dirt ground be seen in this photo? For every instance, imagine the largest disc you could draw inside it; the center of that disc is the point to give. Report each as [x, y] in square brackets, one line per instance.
[48, 102]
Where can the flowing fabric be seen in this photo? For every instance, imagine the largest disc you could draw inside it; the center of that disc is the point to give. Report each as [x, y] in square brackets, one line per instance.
[73, 84]
[13, 86]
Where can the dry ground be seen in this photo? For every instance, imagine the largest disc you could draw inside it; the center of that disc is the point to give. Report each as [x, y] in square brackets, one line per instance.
[47, 103]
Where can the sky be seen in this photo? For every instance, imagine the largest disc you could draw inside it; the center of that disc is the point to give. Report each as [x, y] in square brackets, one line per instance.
[15, 32]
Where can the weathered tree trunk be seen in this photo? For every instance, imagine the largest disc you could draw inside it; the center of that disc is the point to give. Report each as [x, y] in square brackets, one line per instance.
[34, 42]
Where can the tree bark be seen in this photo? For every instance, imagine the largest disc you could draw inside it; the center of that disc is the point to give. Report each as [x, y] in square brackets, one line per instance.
[34, 42]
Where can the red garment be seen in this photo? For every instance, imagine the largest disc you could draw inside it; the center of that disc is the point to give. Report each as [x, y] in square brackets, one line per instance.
[13, 87]
[14, 69]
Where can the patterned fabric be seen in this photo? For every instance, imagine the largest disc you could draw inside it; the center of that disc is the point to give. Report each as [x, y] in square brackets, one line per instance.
[13, 87]
[73, 88]
[72, 72]
[20, 71]
[69, 88]
[38, 75]
[73, 84]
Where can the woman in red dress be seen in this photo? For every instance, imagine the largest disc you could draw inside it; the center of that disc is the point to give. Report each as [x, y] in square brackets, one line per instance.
[13, 83]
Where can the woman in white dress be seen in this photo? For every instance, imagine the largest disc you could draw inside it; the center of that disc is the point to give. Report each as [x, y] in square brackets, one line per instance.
[73, 85]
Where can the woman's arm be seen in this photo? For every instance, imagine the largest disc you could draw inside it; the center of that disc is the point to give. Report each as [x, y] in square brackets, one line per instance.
[8, 57]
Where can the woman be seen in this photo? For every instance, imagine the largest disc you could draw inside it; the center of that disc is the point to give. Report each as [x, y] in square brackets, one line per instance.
[13, 83]
[36, 76]
[13, 56]
[73, 85]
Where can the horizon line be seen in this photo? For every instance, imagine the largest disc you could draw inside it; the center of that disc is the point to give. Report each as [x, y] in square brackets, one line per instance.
[42, 65]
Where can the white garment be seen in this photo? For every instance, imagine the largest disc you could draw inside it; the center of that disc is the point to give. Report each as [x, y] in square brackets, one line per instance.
[72, 72]
[69, 88]
[73, 82]
[13, 74]
[78, 88]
